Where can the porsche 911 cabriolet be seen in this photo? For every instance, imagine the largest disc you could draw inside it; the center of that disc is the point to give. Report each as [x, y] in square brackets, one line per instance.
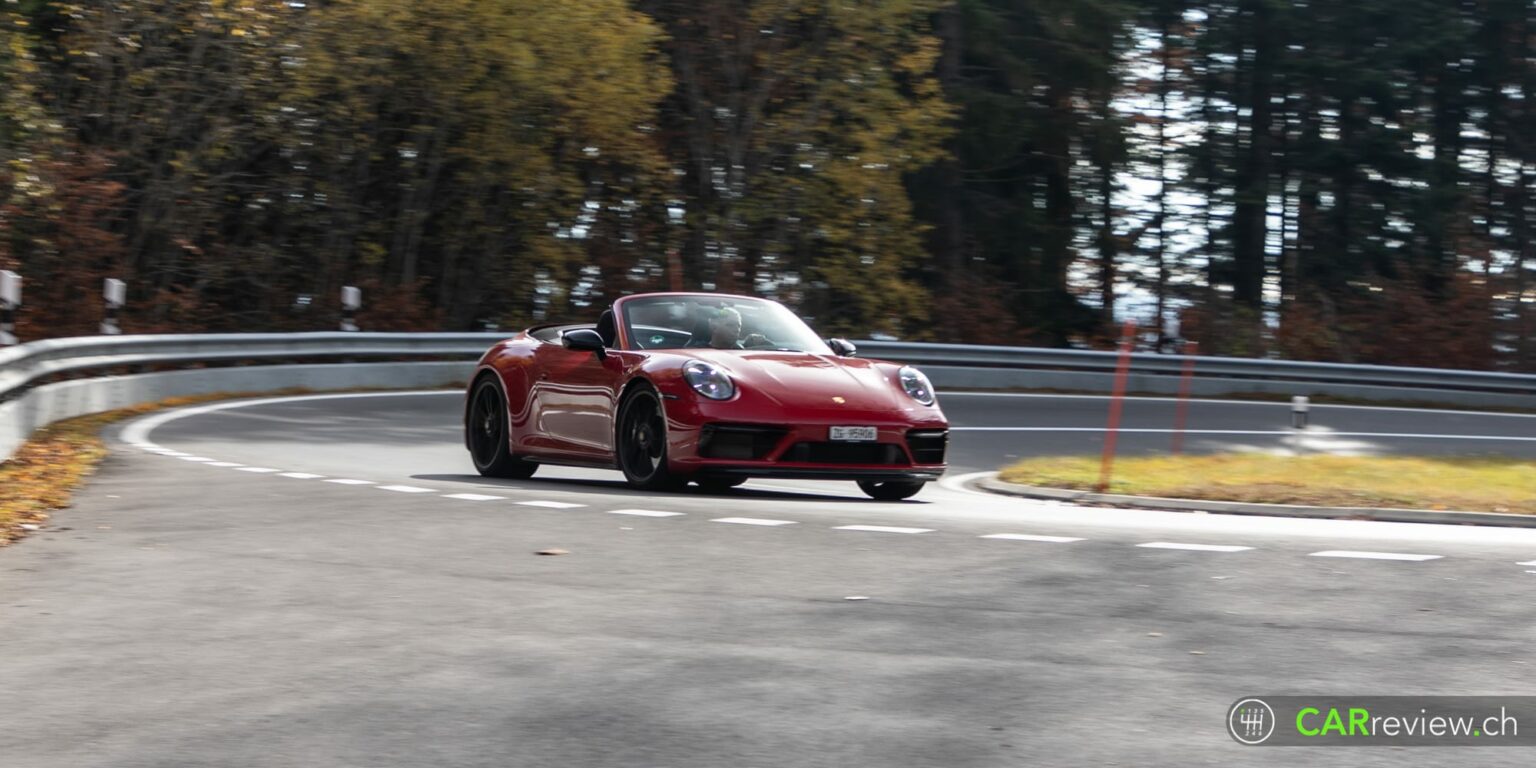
[672, 388]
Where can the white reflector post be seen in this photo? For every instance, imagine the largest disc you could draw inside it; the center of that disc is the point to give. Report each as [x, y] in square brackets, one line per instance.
[351, 301]
[115, 292]
[10, 288]
[10, 299]
[1299, 407]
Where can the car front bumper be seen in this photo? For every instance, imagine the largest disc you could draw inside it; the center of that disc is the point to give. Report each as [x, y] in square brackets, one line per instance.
[873, 474]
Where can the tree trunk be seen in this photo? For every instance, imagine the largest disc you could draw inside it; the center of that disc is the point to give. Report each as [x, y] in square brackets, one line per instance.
[1249, 226]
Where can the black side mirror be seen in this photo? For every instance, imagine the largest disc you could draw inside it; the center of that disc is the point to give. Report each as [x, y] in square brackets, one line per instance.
[842, 347]
[584, 339]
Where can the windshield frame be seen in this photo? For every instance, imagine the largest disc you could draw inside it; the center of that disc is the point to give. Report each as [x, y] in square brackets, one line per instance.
[623, 307]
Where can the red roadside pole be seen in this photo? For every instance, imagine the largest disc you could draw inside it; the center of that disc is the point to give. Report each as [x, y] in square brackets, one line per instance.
[1191, 348]
[1122, 371]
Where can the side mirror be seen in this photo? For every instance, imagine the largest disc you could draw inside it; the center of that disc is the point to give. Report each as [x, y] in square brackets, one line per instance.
[584, 339]
[842, 347]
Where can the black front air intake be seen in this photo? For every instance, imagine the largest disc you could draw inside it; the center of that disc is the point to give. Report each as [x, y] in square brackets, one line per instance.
[739, 441]
[845, 453]
[928, 445]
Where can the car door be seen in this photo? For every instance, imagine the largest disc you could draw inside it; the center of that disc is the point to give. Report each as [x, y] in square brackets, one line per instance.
[574, 401]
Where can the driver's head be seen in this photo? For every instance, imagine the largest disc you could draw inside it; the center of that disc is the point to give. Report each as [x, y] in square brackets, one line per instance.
[724, 328]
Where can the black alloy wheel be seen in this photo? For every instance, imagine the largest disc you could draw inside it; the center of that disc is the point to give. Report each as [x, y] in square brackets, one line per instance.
[486, 430]
[891, 490]
[642, 442]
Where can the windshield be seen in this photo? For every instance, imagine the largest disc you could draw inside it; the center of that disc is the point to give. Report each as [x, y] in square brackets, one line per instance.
[716, 322]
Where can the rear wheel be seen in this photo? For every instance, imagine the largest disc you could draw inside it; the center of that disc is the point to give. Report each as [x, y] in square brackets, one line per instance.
[719, 484]
[486, 433]
[642, 442]
[891, 490]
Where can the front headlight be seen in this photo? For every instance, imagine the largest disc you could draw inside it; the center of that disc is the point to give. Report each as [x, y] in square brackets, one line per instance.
[916, 385]
[708, 380]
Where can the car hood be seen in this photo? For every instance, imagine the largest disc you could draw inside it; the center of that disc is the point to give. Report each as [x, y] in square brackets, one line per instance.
[809, 381]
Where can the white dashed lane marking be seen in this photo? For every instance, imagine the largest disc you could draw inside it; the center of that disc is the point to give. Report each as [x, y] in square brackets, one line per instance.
[1194, 547]
[151, 447]
[1528, 562]
[644, 512]
[881, 529]
[1032, 537]
[1373, 555]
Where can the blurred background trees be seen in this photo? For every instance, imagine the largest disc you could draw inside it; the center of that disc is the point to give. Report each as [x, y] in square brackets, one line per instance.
[1333, 181]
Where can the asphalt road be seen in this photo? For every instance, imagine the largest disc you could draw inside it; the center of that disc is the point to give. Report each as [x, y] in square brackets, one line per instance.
[216, 598]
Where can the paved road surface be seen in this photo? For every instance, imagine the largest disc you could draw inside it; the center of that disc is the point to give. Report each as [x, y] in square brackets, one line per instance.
[191, 613]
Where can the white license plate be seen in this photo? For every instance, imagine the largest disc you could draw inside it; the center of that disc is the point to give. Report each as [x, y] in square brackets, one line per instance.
[854, 434]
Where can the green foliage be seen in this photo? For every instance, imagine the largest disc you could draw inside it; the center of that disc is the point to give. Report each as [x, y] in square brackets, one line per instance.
[791, 128]
[463, 143]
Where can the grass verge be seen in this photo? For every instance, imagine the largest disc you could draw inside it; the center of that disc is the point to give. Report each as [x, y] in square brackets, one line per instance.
[45, 471]
[1477, 484]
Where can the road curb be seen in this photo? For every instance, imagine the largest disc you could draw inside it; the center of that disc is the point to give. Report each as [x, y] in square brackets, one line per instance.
[1441, 517]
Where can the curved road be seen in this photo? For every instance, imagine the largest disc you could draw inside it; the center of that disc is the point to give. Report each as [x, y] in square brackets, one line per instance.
[320, 582]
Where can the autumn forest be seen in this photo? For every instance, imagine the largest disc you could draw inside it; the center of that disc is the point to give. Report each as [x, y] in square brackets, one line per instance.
[1347, 181]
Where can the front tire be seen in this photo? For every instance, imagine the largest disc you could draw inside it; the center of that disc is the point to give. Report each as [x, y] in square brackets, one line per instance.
[642, 442]
[485, 431]
[891, 490]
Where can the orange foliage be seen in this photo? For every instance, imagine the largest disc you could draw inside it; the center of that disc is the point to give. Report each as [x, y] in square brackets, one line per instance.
[1396, 323]
[971, 311]
[58, 234]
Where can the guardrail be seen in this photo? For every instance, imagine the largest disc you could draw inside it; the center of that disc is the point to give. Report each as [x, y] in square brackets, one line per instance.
[22, 366]
[1411, 381]
[29, 398]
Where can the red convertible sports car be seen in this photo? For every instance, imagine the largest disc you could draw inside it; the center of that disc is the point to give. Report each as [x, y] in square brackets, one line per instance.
[714, 389]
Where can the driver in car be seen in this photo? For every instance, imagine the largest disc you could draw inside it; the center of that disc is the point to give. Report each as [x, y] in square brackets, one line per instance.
[725, 333]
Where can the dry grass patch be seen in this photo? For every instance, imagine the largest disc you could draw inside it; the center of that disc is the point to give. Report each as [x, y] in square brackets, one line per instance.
[1482, 484]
